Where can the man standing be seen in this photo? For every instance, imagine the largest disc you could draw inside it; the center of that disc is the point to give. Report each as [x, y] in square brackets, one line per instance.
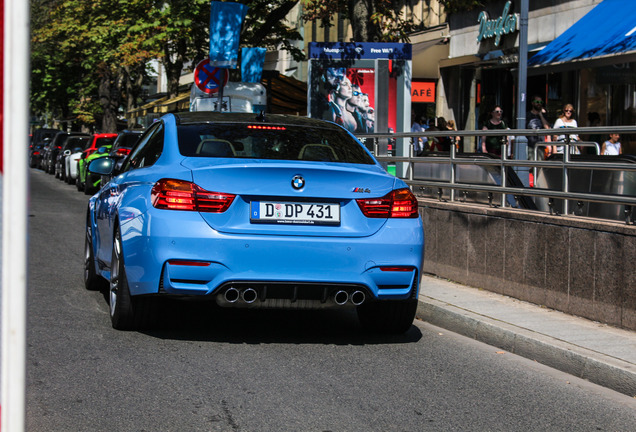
[536, 120]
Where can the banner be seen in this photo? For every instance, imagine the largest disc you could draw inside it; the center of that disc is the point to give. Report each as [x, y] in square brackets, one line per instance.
[252, 61]
[226, 20]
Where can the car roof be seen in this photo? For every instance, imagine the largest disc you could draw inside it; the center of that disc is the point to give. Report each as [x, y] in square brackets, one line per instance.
[199, 117]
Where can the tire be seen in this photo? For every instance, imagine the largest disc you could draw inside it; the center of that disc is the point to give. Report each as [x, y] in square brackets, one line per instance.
[126, 312]
[92, 281]
[389, 316]
[79, 185]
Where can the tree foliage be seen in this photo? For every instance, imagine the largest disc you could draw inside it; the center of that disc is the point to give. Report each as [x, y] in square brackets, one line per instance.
[371, 20]
[90, 57]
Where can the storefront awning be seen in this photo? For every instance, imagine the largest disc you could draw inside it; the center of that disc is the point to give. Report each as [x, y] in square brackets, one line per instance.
[607, 30]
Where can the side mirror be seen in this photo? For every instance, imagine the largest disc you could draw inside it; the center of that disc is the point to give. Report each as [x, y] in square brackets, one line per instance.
[67, 153]
[102, 166]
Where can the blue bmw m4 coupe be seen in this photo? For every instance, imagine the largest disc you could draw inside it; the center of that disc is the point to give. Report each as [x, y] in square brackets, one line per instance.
[254, 211]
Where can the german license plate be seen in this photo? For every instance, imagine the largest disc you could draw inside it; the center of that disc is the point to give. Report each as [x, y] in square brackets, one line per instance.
[295, 213]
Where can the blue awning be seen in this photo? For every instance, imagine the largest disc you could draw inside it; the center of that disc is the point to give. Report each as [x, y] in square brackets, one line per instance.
[607, 30]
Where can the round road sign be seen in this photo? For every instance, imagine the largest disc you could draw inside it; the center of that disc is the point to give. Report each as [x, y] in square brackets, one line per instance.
[208, 78]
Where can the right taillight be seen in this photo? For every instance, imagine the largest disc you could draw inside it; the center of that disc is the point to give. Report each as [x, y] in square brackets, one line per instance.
[172, 194]
[400, 203]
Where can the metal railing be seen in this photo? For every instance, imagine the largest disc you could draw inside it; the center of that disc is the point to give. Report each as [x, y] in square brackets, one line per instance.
[566, 165]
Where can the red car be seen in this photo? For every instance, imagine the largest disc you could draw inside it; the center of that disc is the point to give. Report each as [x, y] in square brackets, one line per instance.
[98, 141]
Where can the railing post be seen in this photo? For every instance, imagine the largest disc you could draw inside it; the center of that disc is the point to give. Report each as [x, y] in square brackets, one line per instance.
[566, 182]
[453, 170]
[411, 162]
[504, 158]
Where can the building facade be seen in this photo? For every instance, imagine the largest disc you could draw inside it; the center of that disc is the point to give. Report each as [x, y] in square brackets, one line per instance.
[481, 70]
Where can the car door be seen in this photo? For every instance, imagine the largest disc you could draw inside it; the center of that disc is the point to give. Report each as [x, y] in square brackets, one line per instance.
[108, 210]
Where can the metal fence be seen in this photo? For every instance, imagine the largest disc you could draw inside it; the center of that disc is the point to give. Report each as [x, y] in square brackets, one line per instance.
[568, 197]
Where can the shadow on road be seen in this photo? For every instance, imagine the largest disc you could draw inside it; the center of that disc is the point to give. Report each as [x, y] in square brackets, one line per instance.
[206, 321]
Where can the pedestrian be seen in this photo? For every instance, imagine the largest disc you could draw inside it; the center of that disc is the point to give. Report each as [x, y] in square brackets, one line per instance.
[418, 144]
[566, 120]
[455, 140]
[445, 141]
[612, 147]
[537, 120]
[493, 144]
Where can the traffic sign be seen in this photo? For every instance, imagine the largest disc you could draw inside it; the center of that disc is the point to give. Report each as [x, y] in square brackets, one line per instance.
[208, 78]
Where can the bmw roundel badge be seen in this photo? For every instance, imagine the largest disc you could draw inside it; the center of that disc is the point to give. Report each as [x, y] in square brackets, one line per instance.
[298, 182]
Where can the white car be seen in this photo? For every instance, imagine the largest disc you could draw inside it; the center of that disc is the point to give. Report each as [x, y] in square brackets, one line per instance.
[71, 157]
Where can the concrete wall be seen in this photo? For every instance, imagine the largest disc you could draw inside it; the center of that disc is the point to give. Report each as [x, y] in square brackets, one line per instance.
[578, 266]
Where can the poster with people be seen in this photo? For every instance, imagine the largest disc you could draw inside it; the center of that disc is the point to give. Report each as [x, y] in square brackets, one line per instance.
[347, 96]
[348, 81]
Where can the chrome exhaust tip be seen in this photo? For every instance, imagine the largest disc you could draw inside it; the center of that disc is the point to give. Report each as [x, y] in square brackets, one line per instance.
[231, 295]
[341, 297]
[358, 297]
[249, 295]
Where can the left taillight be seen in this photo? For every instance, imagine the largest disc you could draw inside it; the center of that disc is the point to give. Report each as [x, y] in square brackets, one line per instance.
[172, 194]
[400, 203]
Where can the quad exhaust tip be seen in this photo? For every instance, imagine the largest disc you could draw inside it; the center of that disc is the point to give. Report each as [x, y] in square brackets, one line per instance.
[357, 298]
[250, 295]
[232, 295]
[341, 297]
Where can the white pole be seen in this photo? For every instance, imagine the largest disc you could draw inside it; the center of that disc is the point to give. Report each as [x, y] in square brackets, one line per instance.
[14, 213]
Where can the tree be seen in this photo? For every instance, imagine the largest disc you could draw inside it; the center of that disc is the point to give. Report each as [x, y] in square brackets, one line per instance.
[90, 57]
[371, 20]
[83, 58]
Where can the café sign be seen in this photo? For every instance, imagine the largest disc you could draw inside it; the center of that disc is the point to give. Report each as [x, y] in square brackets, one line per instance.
[495, 28]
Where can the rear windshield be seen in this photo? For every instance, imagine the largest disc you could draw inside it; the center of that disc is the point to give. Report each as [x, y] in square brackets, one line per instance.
[127, 140]
[77, 144]
[270, 142]
[104, 141]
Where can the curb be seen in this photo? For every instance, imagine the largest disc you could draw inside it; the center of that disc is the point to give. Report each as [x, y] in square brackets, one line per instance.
[595, 367]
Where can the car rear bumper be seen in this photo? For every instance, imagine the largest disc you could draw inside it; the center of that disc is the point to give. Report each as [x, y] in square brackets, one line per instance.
[190, 259]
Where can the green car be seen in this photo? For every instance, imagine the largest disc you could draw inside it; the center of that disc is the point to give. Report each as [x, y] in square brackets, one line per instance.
[89, 182]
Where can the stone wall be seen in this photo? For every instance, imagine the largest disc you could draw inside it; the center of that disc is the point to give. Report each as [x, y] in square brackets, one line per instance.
[584, 267]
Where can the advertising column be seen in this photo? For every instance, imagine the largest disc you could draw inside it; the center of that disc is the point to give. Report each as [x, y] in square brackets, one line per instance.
[364, 87]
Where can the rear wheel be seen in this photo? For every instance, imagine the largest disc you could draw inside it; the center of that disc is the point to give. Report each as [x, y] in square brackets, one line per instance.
[387, 316]
[92, 281]
[126, 312]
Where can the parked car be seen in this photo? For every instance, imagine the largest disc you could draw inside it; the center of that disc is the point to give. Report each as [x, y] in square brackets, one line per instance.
[39, 138]
[71, 160]
[90, 181]
[254, 211]
[99, 140]
[55, 148]
[74, 144]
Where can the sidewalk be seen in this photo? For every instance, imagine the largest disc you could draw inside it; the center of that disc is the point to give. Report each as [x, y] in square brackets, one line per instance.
[596, 352]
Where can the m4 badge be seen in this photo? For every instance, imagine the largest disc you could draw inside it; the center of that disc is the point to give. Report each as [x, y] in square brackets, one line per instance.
[361, 190]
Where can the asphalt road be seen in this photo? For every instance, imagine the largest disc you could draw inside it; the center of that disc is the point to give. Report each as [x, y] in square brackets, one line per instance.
[203, 368]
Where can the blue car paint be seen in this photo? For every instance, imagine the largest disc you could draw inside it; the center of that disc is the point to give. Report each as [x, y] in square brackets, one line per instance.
[240, 251]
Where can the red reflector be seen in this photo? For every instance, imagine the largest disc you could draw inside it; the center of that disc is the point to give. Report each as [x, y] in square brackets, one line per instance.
[531, 180]
[189, 263]
[263, 127]
[397, 269]
[122, 151]
[399, 203]
[171, 194]
[35, 153]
